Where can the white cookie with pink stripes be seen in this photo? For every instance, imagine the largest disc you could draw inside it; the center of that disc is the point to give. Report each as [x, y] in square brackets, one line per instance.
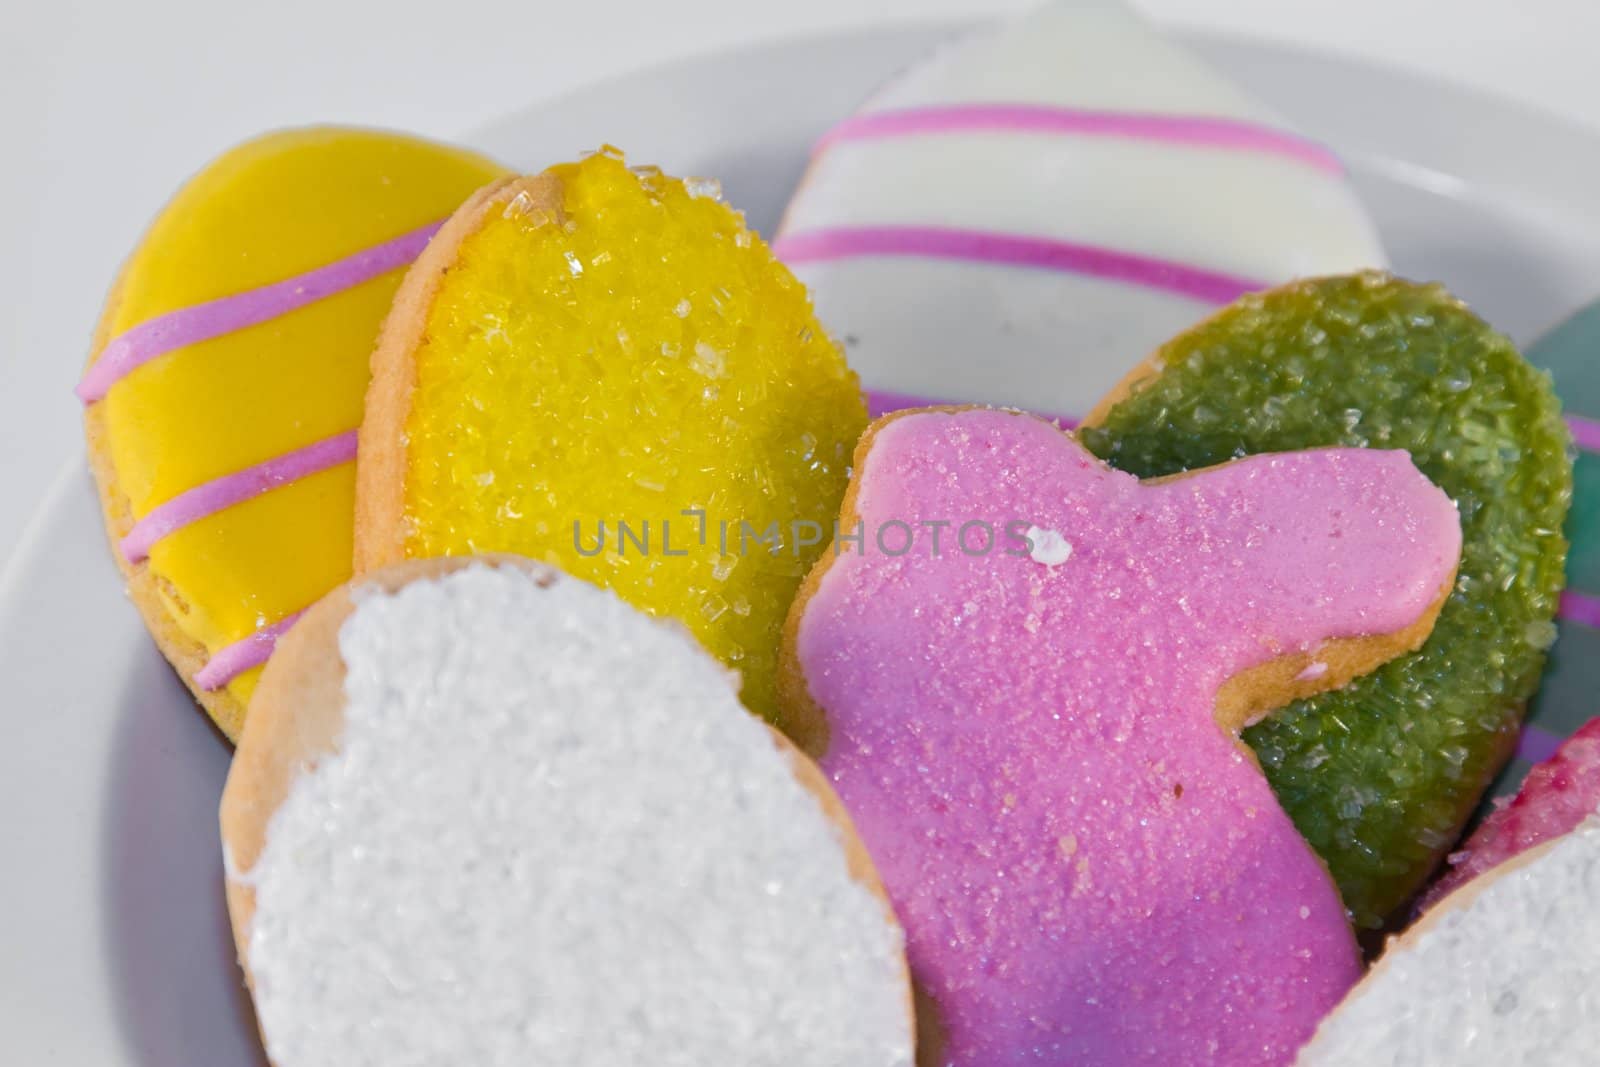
[1056, 196]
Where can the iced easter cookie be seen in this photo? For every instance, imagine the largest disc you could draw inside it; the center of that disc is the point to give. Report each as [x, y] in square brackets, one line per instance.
[1035, 725]
[1501, 971]
[1061, 192]
[1555, 797]
[603, 368]
[226, 383]
[1567, 690]
[1382, 775]
[484, 813]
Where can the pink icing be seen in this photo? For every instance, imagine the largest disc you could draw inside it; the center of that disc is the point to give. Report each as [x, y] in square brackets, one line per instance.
[129, 351]
[1556, 796]
[1585, 432]
[939, 242]
[1577, 607]
[1536, 744]
[1574, 606]
[230, 489]
[1195, 130]
[1089, 870]
[252, 651]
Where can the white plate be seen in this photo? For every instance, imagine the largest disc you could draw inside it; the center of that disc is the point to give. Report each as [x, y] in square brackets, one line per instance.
[113, 940]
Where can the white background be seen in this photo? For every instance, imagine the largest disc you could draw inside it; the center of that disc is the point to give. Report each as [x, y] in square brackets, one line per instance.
[105, 107]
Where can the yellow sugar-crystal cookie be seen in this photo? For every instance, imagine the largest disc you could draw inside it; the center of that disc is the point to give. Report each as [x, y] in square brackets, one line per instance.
[604, 368]
[227, 377]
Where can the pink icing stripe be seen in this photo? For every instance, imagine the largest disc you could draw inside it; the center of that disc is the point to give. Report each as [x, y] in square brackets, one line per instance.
[1585, 432]
[1580, 608]
[881, 402]
[939, 242]
[235, 659]
[1196, 130]
[191, 325]
[230, 489]
[1536, 744]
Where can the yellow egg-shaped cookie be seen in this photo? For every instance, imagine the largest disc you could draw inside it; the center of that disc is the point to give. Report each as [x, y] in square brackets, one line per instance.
[226, 384]
[603, 368]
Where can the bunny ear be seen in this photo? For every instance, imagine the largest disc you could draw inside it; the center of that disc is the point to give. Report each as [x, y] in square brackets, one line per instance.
[1371, 360]
[1571, 353]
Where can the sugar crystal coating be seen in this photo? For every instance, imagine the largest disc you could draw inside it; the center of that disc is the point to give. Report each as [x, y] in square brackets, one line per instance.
[551, 835]
[1506, 979]
[1089, 869]
[1382, 775]
[639, 357]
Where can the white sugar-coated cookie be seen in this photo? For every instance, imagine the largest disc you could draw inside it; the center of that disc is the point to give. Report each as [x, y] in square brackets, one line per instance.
[1028, 212]
[1505, 970]
[484, 813]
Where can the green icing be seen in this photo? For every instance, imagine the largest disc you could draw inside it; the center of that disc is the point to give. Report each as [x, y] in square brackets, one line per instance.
[1381, 775]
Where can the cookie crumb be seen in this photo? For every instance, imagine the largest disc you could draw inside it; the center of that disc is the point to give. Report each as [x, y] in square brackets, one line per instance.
[1048, 547]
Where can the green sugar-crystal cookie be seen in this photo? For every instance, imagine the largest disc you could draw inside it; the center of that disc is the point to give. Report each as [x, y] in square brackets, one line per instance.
[1382, 775]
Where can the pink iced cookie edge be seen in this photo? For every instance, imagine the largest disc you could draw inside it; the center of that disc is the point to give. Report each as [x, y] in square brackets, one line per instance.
[1555, 797]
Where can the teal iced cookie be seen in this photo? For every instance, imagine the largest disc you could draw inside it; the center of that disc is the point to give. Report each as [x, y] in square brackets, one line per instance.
[1569, 694]
[1381, 776]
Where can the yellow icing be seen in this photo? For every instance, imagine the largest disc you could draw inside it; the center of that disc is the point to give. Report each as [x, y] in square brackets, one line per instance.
[310, 517]
[642, 355]
[271, 209]
[292, 380]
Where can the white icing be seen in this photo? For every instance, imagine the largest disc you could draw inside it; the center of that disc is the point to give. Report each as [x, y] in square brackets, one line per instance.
[1508, 978]
[551, 835]
[1028, 338]
[1267, 216]
[1055, 341]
